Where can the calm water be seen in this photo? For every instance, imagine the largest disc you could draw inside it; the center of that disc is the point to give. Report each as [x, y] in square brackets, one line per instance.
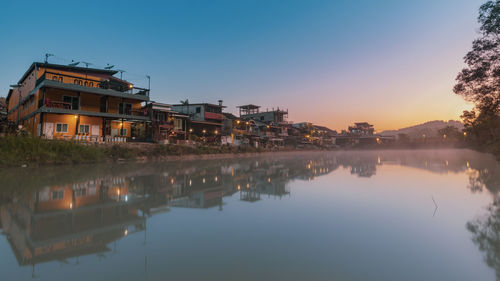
[380, 215]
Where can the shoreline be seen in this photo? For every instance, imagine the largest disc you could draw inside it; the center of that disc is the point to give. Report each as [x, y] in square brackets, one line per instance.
[34, 152]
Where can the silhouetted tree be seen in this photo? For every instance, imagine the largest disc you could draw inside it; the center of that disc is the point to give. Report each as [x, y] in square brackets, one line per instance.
[486, 235]
[479, 81]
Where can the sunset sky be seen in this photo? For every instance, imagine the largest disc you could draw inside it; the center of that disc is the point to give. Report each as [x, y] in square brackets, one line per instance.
[391, 63]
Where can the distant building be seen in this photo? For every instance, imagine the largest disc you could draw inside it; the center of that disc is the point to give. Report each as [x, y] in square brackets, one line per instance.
[250, 111]
[206, 119]
[167, 125]
[361, 129]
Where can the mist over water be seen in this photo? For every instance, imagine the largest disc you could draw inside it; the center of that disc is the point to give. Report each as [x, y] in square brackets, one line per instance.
[352, 215]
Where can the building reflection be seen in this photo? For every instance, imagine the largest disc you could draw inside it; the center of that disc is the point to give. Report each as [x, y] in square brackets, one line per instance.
[83, 214]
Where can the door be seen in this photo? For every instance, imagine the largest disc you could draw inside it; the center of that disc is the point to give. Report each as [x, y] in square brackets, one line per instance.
[48, 130]
[95, 130]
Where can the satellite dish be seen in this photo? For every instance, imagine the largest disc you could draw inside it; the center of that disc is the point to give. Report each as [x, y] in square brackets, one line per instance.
[109, 66]
[73, 63]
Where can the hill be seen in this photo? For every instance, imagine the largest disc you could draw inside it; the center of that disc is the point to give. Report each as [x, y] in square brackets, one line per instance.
[430, 129]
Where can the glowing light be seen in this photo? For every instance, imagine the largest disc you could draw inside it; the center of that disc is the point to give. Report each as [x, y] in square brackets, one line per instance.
[76, 116]
[468, 165]
[239, 187]
[172, 180]
[190, 182]
[465, 134]
[71, 205]
[216, 132]
[130, 86]
[203, 180]
[216, 178]
[204, 131]
[118, 192]
[125, 232]
[248, 185]
[190, 130]
[237, 121]
[268, 179]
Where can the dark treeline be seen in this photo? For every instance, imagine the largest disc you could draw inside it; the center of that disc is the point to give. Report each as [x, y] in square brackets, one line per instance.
[479, 82]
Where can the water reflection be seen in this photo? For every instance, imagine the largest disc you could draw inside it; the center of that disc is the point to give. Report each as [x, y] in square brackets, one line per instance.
[58, 213]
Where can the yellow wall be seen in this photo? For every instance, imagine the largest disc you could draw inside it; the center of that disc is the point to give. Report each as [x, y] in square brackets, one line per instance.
[117, 125]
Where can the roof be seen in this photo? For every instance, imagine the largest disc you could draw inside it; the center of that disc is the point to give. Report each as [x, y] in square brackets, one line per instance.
[249, 106]
[66, 67]
[323, 128]
[363, 123]
[229, 115]
[202, 103]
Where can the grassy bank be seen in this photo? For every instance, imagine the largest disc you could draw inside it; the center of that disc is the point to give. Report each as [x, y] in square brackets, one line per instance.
[19, 151]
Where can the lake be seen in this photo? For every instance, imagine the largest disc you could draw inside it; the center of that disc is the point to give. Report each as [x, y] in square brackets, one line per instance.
[349, 215]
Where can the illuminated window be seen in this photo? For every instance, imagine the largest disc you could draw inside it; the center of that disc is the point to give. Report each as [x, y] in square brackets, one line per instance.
[61, 128]
[84, 129]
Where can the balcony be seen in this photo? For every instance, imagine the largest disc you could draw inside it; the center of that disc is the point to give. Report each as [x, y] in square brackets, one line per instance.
[67, 108]
[213, 116]
[71, 80]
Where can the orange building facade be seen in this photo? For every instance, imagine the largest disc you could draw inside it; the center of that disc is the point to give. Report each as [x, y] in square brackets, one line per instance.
[70, 102]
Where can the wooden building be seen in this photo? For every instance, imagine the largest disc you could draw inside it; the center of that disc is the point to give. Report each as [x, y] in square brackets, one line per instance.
[206, 119]
[70, 102]
[167, 125]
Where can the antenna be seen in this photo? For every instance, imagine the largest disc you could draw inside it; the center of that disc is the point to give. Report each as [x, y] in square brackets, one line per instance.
[47, 57]
[121, 73]
[86, 64]
[73, 63]
[149, 82]
[109, 66]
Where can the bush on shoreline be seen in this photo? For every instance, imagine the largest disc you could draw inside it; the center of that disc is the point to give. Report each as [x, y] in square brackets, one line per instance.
[20, 150]
[17, 151]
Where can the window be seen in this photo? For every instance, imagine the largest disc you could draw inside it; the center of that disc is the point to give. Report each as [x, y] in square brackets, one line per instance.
[73, 101]
[57, 194]
[80, 191]
[178, 124]
[262, 118]
[161, 116]
[84, 129]
[123, 132]
[125, 108]
[198, 109]
[61, 128]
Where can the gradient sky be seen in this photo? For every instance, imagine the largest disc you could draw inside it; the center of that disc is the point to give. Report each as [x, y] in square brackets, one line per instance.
[391, 63]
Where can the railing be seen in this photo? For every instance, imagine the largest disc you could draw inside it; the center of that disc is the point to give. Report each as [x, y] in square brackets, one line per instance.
[92, 83]
[58, 104]
[213, 116]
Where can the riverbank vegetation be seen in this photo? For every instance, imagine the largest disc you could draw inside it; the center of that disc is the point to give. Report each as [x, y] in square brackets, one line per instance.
[23, 151]
[479, 82]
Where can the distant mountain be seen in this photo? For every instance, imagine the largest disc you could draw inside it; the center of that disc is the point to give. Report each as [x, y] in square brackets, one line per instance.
[430, 129]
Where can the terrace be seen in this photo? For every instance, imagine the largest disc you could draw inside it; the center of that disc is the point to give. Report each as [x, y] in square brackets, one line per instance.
[116, 86]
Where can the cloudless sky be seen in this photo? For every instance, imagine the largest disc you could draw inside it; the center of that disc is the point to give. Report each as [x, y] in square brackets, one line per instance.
[391, 63]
